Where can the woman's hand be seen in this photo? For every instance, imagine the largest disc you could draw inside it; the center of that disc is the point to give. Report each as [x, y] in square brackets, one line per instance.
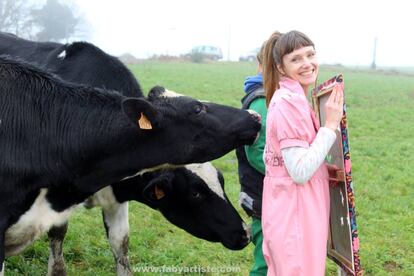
[334, 107]
[336, 175]
[332, 171]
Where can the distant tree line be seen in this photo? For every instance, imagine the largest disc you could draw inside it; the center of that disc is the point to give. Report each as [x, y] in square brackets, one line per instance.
[54, 21]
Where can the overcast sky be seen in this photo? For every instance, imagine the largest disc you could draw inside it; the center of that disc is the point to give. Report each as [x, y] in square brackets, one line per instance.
[343, 31]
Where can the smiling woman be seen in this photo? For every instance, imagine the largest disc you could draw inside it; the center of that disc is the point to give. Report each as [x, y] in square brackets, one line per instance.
[293, 242]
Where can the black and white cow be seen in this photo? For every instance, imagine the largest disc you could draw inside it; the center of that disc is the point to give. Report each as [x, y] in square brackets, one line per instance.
[65, 141]
[191, 197]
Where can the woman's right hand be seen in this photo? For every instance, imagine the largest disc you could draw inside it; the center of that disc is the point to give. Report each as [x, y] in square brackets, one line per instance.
[334, 107]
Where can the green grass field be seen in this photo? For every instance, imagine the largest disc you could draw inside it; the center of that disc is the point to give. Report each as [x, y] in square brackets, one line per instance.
[380, 121]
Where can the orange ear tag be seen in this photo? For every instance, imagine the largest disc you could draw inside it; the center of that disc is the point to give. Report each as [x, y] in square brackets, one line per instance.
[159, 193]
[144, 123]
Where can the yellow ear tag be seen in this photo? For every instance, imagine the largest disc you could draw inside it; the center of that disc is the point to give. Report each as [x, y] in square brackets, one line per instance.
[159, 193]
[144, 123]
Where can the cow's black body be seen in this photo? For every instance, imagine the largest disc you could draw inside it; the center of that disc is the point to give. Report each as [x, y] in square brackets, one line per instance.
[74, 139]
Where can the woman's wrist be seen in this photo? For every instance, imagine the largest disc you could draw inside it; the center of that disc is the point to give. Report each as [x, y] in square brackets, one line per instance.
[332, 132]
[331, 126]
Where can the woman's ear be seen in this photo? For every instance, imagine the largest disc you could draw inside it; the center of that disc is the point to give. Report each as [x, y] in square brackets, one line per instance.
[280, 69]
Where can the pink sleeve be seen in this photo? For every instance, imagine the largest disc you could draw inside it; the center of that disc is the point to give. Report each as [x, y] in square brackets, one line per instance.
[293, 121]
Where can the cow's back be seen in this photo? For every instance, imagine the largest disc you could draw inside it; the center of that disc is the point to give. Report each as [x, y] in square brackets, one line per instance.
[77, 62]
[30, 51]
[84, 63]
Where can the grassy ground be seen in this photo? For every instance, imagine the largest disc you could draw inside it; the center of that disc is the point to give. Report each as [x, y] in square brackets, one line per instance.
[381, 115]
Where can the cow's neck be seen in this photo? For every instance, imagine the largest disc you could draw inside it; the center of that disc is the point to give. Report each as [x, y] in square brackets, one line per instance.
[70, 135]
[113, 151]
[63, 197]
[109, 151]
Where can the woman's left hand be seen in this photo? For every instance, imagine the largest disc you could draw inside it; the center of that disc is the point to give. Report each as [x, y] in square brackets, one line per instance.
[334, 175]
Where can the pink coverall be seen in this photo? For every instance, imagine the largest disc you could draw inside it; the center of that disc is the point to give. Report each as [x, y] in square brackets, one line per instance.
[294, 216]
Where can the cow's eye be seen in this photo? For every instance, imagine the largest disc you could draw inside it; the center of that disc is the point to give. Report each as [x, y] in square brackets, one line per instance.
[196, 195]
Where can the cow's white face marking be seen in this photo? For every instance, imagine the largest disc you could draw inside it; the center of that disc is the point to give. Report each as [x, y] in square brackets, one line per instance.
[208, 173]
[32, 224]
[171, 94]
[253, 112]
[156, 168]
[62, 55]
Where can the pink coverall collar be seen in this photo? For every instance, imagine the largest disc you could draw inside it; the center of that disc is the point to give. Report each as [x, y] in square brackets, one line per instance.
[292, 85]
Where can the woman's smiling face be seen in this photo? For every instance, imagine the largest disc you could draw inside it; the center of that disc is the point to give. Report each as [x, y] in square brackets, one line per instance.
[301, 65]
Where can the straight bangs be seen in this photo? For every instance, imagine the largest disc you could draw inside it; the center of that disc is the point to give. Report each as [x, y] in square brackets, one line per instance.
[290, 42]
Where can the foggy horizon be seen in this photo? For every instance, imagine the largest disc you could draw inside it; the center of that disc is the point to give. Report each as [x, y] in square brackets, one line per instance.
[345, 33]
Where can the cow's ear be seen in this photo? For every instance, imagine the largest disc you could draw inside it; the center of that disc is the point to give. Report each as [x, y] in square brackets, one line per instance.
[156, 92]
[141, 112]
[159, 187]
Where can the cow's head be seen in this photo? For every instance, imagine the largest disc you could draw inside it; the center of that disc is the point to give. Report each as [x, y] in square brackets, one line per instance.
[193, 199]
[186, 130]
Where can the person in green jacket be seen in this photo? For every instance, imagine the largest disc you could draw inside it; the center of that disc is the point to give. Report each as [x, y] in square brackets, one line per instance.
[251, 167]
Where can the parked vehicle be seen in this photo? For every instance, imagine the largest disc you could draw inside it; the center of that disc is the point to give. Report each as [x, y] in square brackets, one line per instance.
[249, 56]
[206, 52]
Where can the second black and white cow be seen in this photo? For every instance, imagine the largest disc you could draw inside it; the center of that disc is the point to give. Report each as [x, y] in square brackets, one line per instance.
[57, 137]
[190, 197]
[77, 62]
